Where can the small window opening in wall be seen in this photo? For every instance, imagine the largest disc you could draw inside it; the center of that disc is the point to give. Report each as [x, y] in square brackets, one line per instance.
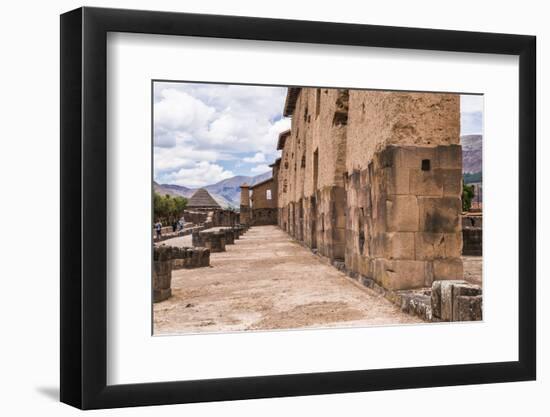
[268, 194]
[303, 161]
[425, 165]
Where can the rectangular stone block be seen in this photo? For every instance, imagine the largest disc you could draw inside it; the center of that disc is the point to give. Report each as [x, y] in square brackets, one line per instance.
[402, 214]
[429, 246]
[448, 269]
[450, 156]
[445, 298]
[400, 245]
[403, 274]
[412, 156]
[453, 245]
[365, 266]
[161, 294]
[426, 183]
[398, 179]
[468, 308]
[439, 215]
[163, 267]
[379, 245]
[436, 299]
[451, 180]
[456, 300]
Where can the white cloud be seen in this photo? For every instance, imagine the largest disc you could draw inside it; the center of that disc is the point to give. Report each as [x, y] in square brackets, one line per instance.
[260, 169]
[198, 175]
[471, 114]
[177, 110]
[471, 103]
[256, 159]
[196, 123]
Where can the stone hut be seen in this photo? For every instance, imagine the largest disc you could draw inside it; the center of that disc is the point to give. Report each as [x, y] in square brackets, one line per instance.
[372, 180]
[202, 200]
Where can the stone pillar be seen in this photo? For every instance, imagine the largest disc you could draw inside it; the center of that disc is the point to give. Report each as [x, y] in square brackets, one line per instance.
[214, 241]
[162, 273]
[229, 237]
[245, 217]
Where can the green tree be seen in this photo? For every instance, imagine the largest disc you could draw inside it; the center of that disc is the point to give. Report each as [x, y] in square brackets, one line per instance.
[467, 196]
[168, 209]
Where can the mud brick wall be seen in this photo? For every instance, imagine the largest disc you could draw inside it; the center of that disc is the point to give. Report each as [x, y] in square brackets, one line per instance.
[261, 210]
[244, 213]
[310, 174]
[259, 195]
[378, 119]
[373, 179]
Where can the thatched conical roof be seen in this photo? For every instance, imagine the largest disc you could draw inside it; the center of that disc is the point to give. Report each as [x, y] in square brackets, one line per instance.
[203, 199]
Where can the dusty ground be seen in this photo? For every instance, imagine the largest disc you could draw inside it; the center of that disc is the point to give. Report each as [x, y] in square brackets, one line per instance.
[472, 269]
[267, 281]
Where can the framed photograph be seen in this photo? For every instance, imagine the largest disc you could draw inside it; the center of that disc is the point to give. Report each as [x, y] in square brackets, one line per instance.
[257, 208]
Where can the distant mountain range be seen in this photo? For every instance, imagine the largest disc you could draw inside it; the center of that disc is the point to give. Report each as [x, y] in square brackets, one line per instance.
[472, 155]
[226, 192]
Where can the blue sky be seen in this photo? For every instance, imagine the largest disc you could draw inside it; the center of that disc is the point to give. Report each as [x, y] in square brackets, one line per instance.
[204, 133]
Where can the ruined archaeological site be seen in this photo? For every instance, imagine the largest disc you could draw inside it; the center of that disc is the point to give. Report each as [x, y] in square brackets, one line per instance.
[361, 223]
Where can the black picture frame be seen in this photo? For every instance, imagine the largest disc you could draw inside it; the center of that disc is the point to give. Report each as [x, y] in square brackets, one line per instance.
[84, 207]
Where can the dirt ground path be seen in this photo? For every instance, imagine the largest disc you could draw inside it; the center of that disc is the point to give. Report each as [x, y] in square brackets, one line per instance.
[268, 281]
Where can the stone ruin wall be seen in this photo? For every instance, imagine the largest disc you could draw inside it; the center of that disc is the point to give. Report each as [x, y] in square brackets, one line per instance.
[386, 202]
[212, 218]
[308, 204]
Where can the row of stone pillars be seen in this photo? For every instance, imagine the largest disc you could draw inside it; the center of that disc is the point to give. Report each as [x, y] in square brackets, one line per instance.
[168, 258]
[215, 240]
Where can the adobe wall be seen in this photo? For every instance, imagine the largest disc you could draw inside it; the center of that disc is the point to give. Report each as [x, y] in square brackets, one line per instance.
[259, 195]
[310, 174]
[373, 180]
[244, 212]
[256, 209]
[379, 118]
